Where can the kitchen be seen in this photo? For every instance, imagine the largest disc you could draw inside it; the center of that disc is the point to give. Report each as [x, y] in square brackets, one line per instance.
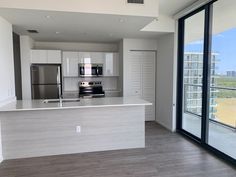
[80, 91]
[83, 74]
[72, 93]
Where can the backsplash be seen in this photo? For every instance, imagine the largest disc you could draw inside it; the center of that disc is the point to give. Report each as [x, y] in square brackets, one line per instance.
[71, 84]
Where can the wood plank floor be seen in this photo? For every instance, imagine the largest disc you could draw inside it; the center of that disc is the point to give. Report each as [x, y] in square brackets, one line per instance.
[166, 155]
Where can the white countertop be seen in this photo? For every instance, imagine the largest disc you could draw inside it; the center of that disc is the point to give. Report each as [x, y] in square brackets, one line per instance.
[30, 105]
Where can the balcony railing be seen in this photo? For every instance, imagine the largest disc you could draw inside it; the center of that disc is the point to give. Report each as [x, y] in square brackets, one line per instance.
[226, 95]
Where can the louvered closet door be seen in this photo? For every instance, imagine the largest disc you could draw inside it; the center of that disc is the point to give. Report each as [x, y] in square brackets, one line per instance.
[148, 82]
[134, 76]
[141, 78]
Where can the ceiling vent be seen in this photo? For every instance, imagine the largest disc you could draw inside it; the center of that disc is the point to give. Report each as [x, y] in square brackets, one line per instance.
[33, 31]
[136, 1]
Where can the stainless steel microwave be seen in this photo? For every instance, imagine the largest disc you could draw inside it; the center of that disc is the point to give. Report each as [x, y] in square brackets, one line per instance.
[90, 70]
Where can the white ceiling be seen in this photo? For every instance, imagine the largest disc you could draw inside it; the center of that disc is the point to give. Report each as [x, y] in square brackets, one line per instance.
[84, 27]
[171, 7]
[77, 26]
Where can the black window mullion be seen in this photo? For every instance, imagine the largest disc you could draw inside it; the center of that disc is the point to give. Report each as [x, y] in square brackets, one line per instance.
[180, 73]
[206, 73]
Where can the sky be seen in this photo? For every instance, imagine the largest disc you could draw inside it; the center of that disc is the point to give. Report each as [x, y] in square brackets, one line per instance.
[225, 45]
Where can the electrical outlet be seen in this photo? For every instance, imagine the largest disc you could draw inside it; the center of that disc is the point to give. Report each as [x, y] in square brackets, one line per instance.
[78, 129]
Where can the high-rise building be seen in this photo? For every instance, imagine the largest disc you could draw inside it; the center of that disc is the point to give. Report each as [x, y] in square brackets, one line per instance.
[193, 75]
[231, 73]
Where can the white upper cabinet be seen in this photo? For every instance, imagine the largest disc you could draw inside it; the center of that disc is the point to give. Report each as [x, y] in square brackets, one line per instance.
[91, 57]
[39, 56]
[97, 57]
[54, 56]
[70, 64]
[46, 56]
[110, 61]
[111, 64]
[84, 57]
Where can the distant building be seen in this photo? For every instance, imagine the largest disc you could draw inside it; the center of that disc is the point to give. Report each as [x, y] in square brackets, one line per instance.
[231, 73]
[193, 73]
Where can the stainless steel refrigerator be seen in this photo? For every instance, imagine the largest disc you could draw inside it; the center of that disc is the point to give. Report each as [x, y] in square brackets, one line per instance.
[46, 81]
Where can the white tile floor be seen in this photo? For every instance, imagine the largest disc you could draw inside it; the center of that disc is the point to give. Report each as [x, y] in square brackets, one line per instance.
[220, 137]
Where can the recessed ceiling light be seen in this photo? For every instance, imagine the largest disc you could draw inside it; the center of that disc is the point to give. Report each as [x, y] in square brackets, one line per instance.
[48, 16]
[57, 32]
[121, 20]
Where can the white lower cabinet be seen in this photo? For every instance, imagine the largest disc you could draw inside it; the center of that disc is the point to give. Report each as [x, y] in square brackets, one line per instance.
[140, 77]
[70, 64]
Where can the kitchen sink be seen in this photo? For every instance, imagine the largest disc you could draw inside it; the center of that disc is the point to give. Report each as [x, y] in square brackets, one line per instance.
[62, 100]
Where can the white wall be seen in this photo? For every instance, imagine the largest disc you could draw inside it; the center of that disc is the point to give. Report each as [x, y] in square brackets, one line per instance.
[72, 46]
[26, 44]
[7, 87]
[134, 44]
[165, 97]
[7, 78]
[117, 7]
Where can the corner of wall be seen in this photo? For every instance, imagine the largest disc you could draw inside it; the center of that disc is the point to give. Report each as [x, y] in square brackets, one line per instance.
[164, 125]
[165, 91]
[26, 44]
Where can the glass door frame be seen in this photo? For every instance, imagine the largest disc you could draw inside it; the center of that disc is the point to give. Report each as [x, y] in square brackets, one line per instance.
[203, 141]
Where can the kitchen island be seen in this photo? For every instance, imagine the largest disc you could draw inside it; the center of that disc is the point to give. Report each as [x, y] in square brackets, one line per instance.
[34, 128]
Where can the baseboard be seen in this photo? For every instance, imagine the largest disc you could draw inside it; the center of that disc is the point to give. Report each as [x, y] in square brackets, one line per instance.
[6, 101]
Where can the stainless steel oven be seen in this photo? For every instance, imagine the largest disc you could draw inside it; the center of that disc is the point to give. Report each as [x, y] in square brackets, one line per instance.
[91, 89]
[90, 70]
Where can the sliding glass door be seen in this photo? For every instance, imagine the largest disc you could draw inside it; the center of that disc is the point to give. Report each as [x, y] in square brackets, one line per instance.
[193, 73]
[222, 118]
[207, 77]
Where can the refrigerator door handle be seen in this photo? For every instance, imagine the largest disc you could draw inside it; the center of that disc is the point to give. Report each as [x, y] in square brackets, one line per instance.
[58, 75]
[59, 82]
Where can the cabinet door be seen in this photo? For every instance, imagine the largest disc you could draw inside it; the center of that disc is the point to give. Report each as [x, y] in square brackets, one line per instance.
[70, 64]
[54, 56]
[39, 56]
[111, 64]
[116, 64]
[97, 57]
[85, 57]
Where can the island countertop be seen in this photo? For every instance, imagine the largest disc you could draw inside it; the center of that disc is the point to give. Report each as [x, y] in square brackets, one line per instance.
[31, 105]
